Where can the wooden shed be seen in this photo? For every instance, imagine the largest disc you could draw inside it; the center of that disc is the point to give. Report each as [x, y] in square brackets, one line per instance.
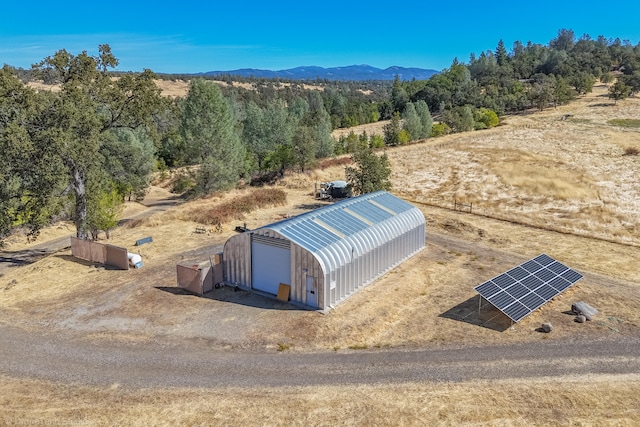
[327, 254]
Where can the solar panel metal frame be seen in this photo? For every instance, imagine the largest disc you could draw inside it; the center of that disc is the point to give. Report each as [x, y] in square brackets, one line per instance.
[517, 294]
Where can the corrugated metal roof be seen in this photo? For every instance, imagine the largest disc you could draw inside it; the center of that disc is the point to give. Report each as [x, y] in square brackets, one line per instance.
[340, 247]
[324, 227]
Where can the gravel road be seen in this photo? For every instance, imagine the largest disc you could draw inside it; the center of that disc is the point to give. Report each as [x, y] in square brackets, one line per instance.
[62, 357]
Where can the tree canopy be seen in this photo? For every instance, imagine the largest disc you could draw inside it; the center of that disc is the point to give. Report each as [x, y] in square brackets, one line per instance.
[63, 133]
[370, 172]
[77, 151]
[211, 138]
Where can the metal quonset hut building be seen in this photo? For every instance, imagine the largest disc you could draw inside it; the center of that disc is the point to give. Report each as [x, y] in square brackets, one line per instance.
[327, 254]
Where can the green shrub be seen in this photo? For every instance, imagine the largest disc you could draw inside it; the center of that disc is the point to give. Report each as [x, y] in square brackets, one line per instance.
[403, 137]
[376, 141]
[183, 183]
[439, 129]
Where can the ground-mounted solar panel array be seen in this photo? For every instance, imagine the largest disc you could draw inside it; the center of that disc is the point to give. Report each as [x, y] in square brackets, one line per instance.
[525, 288]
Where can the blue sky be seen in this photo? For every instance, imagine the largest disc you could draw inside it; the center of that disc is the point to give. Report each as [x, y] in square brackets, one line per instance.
[189, 37]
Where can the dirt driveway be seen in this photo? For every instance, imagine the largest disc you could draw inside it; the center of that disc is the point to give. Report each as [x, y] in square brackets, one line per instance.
[173, 363]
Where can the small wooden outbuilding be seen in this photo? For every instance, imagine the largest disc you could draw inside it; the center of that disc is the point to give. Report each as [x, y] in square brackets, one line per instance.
[327, 254]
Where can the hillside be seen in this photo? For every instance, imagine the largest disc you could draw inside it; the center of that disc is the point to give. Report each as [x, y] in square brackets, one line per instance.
[538, 184]
[348, 73]
[535, 170]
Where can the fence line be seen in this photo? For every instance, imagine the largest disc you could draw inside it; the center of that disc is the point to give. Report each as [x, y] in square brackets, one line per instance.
[453, 207]
[87, 250]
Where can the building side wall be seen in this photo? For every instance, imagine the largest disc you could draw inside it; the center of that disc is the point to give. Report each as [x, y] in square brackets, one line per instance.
[370, 265]
[189, 278]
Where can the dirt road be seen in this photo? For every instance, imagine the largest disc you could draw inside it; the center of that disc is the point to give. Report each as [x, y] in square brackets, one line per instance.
[12, 259]
[172, 363]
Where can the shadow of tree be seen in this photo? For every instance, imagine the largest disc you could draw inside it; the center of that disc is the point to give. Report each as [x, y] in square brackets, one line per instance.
[23, 257]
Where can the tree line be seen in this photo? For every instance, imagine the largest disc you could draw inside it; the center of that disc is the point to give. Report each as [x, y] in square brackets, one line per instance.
[79, 151]
[529, 76]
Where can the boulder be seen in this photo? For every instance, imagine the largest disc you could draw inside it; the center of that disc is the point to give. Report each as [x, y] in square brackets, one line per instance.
[582, 308]
[546, 327]
[580, 318]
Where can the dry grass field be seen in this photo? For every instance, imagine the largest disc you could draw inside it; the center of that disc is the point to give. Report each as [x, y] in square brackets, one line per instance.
[537, 184]
[371, 129]
[179, 88]
[594, 401]
[569, 175]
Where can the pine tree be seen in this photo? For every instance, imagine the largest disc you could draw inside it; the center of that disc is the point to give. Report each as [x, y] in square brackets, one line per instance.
[618, 91]
[411, 122]
[211, 139]
[501, 54]
[422, 109]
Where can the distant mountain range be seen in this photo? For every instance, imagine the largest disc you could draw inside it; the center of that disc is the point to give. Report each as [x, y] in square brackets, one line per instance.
[351, 72]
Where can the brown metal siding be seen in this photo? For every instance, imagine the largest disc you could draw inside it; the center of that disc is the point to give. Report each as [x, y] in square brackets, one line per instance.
[189, 278]
[100, 253]
[117, 257]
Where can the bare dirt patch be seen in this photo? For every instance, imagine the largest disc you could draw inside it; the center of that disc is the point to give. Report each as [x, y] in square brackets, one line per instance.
[376, 128]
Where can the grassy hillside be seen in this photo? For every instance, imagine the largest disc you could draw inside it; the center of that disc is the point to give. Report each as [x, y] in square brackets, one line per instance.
[537, 184]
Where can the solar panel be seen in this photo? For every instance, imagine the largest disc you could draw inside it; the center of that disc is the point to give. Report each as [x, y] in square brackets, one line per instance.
[545, 275]
[546, 292]
[489, 288]
[528, 286]
[531, 282]
[502, 299]
[559, 283]
[517, 290]
[518, 273]
[558, 268]
[544, 260]
[503, 280]
[532, 301]
[531, 266]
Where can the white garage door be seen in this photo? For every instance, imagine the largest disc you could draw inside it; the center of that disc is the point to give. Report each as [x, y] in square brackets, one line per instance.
[270, 263]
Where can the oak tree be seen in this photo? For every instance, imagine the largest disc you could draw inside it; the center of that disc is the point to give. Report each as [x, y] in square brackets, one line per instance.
[370, 172]
[77, 118]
